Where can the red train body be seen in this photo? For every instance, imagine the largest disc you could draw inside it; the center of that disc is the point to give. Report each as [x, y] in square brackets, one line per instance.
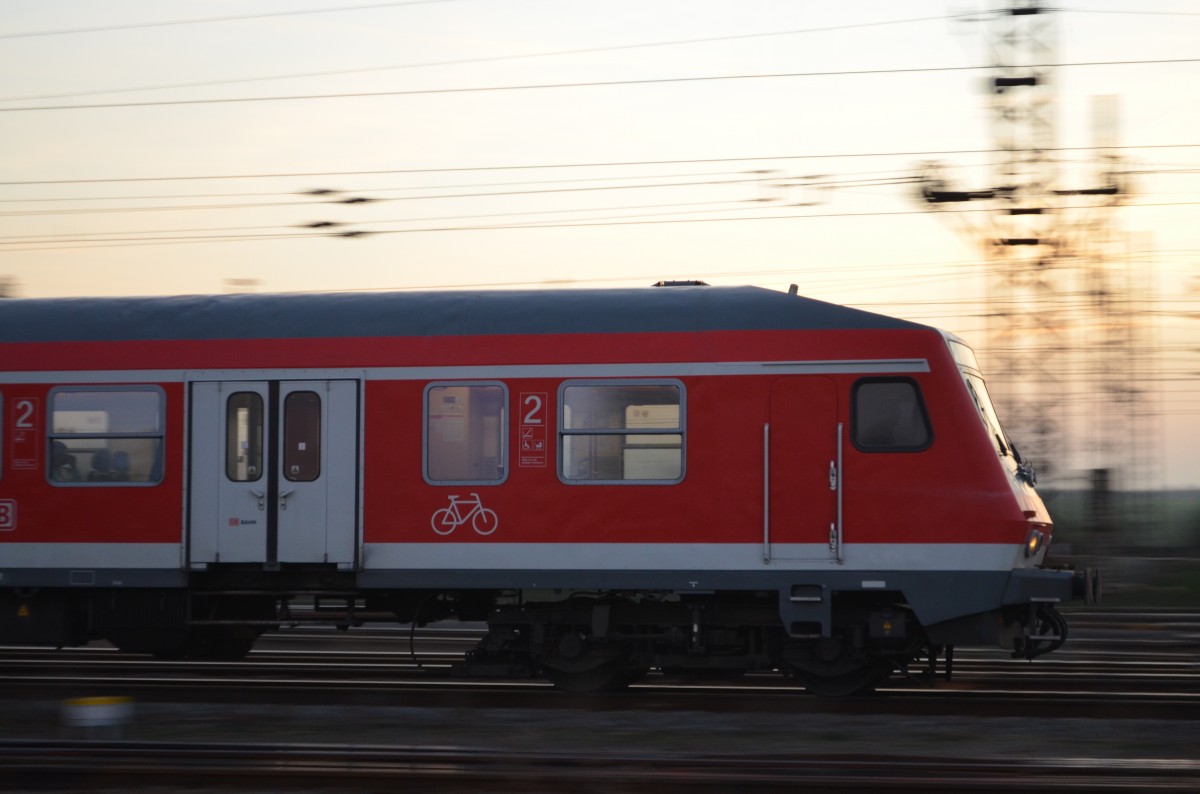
[689, 478]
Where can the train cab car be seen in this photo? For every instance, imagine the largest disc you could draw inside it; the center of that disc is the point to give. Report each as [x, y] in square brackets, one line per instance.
[699, 480]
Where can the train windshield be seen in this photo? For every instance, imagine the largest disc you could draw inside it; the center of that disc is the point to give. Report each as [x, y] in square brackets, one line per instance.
[969, 365]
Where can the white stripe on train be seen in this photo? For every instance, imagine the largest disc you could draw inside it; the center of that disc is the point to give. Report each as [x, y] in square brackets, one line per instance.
[487, 371]
[493, 556]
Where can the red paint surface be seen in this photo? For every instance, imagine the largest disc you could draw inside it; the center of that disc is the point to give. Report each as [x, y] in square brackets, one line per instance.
[956, 491]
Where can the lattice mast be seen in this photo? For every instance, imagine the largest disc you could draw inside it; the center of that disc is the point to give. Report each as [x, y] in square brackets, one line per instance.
[1027, 315]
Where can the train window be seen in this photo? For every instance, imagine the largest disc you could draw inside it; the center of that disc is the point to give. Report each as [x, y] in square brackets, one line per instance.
[244, 437]
[963, 355]
[888, 415]
[302, 436]
[628, 432]
[106, 436]
[465, 438]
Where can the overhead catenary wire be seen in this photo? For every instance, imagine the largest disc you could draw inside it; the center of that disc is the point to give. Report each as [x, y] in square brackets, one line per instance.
[358, 199]
[209, 20]
[576, 85]
[491, 59]
[578, 164]
[359, 190]
[476, 60]
[348, 196]
[419, 219]
[840, 181]
[572, 224]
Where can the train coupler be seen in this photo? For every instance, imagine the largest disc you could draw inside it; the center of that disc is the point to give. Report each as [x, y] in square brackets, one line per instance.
[1045, 631]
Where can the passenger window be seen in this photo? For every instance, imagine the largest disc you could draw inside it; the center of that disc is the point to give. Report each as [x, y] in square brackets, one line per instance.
[888, 415]
[302, 436]
[626, 432]
[106, 436]
[244, 437]
[465, 433]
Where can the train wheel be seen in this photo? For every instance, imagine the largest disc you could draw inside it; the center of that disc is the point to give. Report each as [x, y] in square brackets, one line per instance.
[611, 676]
[704, 675]
[163, 643]
[833, 667]
[221, 643]
[858, 681]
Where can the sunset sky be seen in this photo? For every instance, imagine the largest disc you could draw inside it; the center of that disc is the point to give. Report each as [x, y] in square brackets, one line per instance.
[205, 146]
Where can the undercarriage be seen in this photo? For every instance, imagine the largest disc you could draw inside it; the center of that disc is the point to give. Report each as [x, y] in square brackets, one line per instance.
[582, 641]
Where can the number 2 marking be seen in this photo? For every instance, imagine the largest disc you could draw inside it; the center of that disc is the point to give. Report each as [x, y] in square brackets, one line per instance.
[24, 410]
[531, 416]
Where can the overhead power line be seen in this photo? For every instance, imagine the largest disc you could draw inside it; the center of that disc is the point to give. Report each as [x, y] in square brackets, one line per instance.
[339, 196]
[491, 59]
[207, 20]
[552, 86]
[26, 246]
[402, 3]
[118, 235]
[609, 164]
[483, 59]
[348, 191]
[363, 200]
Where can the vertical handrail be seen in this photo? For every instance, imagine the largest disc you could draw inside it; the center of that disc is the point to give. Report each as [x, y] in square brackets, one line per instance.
[766, 493]
[841, 476]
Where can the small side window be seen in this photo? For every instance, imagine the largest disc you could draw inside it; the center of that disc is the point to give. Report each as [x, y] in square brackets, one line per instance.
[244, 437]
[888, 415]
[465, 438]
[302, 436]
[106, 436]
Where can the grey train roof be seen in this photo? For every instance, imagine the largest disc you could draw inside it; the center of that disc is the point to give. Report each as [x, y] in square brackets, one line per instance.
[310, 315]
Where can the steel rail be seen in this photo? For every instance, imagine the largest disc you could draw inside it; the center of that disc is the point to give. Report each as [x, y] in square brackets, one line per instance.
[43, 764]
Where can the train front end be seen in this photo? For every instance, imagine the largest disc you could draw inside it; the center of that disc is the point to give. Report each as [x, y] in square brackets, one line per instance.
[1030, 623]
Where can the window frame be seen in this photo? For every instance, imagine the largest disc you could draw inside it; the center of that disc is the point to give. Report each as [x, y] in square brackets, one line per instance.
[287, 454]
[563, 431]
[854, 416]
[503, 453]
[160, 436]
[262, 447]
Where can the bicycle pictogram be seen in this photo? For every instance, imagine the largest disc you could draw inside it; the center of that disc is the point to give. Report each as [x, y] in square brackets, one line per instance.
[483, 520]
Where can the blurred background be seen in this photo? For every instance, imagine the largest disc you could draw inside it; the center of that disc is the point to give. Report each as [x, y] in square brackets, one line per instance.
[1025, 178]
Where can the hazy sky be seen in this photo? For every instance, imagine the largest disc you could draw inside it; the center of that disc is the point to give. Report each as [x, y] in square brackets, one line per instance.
[476, 127]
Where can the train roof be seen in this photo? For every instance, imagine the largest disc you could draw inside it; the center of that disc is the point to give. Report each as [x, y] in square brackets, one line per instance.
[378, 314]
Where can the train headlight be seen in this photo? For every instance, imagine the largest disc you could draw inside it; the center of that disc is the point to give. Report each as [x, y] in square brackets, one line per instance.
[1033, 543]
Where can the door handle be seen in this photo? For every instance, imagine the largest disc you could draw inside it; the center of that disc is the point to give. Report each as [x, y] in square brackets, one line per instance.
[283, 495]
[261, 498]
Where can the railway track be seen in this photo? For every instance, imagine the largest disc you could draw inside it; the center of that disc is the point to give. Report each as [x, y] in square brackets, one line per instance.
[1116, 709]
[1114, 658]
[281, 767]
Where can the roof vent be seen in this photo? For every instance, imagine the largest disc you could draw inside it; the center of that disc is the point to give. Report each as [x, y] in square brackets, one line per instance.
[681, 284]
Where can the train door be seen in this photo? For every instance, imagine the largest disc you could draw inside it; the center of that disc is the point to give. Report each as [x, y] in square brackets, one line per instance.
[803, 470]
[274, 472]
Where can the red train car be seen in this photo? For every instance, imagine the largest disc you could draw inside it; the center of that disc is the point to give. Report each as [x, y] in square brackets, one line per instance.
[687, 478]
